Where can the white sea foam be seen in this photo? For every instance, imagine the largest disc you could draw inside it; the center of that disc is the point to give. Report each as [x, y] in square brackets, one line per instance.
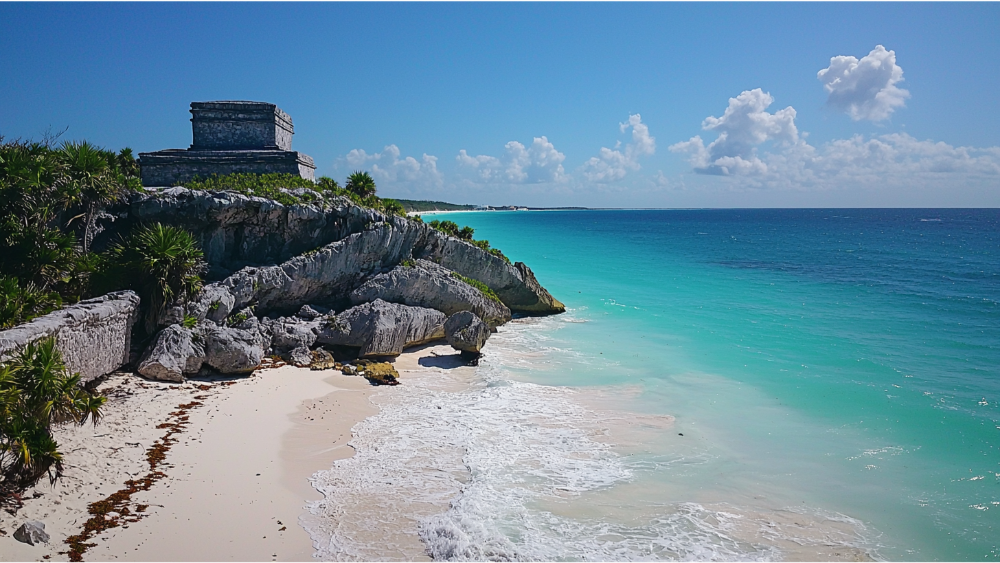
[498, 469]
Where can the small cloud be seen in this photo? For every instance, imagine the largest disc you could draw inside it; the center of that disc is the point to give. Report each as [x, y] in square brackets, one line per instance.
[613, 164]
[865, 89]
[744, 125]
[387, 166]
[539, 163]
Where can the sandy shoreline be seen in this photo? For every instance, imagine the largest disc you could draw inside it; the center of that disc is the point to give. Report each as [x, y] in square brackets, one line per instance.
[237, 477]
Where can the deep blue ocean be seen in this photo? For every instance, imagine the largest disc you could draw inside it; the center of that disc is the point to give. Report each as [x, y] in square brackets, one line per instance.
[833, 378]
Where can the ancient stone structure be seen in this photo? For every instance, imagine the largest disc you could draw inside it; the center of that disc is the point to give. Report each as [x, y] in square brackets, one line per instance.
[94, 335]
[229, 137]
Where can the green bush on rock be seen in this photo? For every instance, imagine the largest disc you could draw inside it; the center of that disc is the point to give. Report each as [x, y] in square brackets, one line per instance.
[161, 263]
[482, 287]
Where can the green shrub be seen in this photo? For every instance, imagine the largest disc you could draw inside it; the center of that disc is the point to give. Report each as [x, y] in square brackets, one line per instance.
[408, 263]
[238, 318]
[361, 184]
[49, 202]
[268, 186]
[161, 263]
[21, 304]
[189, 321]
[482, 287]
[36, 390]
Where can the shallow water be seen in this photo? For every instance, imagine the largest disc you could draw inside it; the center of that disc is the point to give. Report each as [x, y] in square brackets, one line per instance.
[771, 384]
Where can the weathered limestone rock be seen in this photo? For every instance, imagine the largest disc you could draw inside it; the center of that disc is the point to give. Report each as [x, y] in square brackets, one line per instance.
[32, 532]
[93, 336]
[381, 373]
[176, 351]
[213, 303]
[428, 285]
[300, 357]
[382, 329]
[311, 312]
[238, 349]
[288, 333]
[236, 231]
[514, 284]
[466, 332]
[320, 359]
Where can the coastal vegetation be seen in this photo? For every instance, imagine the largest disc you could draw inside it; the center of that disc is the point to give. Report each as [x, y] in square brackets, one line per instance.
[50, 197]
[36, 390]
[162, 264]
[286, 189]
[412, 205]
[482, 287]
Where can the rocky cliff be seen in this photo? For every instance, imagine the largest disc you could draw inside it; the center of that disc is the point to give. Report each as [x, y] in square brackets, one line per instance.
[392, 279]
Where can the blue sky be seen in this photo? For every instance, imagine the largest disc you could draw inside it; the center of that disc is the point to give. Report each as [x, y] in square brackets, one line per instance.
[547, 104]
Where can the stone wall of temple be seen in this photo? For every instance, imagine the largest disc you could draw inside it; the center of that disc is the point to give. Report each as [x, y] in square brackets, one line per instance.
[240, 126]
[173, 168]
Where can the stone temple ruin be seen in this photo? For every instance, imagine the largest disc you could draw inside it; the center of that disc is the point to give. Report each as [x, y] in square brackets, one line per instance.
[229, 137]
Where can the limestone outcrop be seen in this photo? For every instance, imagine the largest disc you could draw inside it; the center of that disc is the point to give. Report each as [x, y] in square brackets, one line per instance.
[426, 284]
[466, 332]
[514, 284]
[382, 329]
[299, 261]
[241, 233]
[177, 351]
[235, 230]
[94, 335]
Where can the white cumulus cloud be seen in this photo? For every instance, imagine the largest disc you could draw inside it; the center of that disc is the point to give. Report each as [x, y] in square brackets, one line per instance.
[613, 164]
[388, 167]
[538, 163]
[790, 162]
[745, 125]
[865, 89]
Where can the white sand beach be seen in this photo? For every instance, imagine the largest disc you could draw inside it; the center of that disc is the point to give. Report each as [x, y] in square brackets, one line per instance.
[236, 478]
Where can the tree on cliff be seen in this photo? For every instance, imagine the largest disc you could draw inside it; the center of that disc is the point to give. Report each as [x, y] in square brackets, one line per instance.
[361, 184]
[96, 180]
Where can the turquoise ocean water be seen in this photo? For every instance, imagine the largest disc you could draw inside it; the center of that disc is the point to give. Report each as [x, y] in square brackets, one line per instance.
[727, 384]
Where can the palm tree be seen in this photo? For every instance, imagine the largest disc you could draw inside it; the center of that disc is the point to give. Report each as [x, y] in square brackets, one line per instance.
[37, 390]
[162, 263]
[94, 181]
[361, 184]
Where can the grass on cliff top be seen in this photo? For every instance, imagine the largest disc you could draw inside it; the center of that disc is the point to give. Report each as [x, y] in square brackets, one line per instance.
[276, 187]
[482, 287]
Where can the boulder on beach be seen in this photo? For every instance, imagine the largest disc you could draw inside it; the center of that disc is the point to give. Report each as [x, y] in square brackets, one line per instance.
[466, 332]
[175, 352]
[382, 329]
[234, 350]
[291, 333]
[32, 532]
